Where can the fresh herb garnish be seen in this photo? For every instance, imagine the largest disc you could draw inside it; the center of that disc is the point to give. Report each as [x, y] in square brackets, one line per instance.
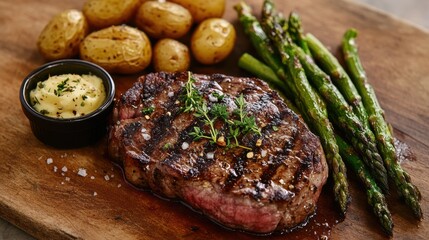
[167, 146]
[218, 96]
[40, 85]
[239, 122]
[63, 87]
[148, 110]
[44, 112]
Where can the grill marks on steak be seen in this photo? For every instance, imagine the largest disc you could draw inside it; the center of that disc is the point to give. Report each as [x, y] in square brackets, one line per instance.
[260, 194]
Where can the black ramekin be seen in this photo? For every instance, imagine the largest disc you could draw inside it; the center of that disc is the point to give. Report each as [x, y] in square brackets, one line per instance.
[72, 132]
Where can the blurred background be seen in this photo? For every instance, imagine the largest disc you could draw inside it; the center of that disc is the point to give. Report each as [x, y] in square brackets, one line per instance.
[415, 12]
[412, 11]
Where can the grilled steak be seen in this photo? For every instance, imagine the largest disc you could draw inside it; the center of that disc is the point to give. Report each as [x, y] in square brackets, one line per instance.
[273, 186]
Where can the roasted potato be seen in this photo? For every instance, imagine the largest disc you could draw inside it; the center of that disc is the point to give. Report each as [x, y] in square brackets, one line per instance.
[203, 9]
[106, 13]
[118, 49]
[62, 35]
[213, 40]
[163, 19]
[170, 55]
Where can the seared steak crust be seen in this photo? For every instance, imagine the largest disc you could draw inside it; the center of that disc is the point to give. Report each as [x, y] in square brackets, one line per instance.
[274, 189]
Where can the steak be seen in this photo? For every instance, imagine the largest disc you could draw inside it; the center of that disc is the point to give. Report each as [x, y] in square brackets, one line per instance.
[273, 186]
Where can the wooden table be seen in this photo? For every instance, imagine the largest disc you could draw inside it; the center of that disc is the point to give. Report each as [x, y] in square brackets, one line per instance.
[56, 204]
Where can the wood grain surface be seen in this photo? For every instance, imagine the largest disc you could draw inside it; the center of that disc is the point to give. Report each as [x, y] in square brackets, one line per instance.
[62, 205]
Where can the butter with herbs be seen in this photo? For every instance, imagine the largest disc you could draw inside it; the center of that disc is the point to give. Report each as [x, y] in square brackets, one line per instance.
[68, 95]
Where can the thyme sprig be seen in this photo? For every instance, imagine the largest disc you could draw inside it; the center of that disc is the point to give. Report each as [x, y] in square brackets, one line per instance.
[239, 123]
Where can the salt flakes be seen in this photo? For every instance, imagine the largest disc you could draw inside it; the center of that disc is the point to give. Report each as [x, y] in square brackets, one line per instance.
[263, 153]
[185, 145]
[146, 136]
[210, 155]
[49, 161]
[82, 172]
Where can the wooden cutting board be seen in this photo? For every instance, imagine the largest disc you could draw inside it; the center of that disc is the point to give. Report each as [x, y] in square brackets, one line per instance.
[62, 205]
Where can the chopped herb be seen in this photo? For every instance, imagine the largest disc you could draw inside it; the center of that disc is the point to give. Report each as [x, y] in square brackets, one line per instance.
[275, 128]
[167, 146]
[148, 110]
[63, 87]
[40, 85]
[82, 104]
[44, 112]
[35, 101]
[84, 97]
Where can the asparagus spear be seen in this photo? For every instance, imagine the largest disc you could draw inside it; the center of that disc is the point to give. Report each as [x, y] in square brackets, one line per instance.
[343, 117]
[306, 97]
[402, 180]
[343, 82]
[375, 197]
[253, 65]
[262, 71]
[340, 78]
[297, 33]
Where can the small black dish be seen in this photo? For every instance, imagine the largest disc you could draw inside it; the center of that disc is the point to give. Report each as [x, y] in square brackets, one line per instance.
[73, 132]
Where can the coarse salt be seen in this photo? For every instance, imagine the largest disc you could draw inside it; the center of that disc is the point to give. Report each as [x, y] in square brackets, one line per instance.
[49, 161]
[210, 155]
[106, 177]
[263, 153]
[67, 179]
[82, 172]
[95, 194]
[146, 136]
[92, 177]
[170, 94]
[64, 169]
[55, 168]
[119, 185]
[185, 145]
[143, 130]
[212, 98]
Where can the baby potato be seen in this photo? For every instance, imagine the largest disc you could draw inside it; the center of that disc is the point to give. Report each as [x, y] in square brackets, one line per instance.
[170, 55]
[213, 40]
[106, 13]
[203, 9]
[62, 35]
[163, 19]
[118, 49]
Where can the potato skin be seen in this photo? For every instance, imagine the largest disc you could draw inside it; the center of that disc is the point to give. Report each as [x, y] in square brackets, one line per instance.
[170, 55]
[62, 35]
[213, 41]
[118, 49]
[203, 9]
[106, 13]
[163, 19]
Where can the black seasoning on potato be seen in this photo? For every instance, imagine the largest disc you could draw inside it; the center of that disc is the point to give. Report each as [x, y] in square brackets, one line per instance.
[118, 49]
[163, 19]
[62, 35]
[213, 41]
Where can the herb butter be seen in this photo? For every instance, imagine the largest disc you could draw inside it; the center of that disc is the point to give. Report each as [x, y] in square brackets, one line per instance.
[68, 95]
